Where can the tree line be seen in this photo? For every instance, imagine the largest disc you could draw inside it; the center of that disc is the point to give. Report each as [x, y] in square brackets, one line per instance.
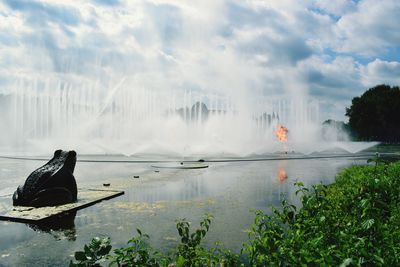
[375, 115]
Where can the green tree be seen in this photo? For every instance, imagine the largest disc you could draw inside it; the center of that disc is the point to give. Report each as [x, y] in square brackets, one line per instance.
[375, 115]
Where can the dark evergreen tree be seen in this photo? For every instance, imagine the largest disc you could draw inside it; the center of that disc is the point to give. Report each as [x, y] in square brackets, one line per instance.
[375, 115]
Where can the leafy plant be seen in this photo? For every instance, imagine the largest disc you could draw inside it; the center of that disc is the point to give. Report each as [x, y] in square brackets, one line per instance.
[138, 253]
[93, 254]
[189, 252]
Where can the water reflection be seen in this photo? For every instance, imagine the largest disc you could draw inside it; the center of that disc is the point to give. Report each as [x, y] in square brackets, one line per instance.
[190, 187]
[282, 176]
[281, 171]
[60, 227]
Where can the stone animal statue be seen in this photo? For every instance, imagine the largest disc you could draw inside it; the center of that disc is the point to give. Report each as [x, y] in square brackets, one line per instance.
[52, 184]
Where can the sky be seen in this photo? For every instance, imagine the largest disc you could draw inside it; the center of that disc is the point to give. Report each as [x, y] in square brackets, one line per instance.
[330, 50]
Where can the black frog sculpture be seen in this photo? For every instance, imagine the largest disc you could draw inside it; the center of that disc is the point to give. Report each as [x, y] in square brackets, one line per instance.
[52, 184]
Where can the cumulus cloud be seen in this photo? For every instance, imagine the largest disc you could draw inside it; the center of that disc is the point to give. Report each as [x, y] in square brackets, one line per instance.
[370, 30]
[381, 72]
[331, 50]
[332, 80]
[334, 83]
[336, 8]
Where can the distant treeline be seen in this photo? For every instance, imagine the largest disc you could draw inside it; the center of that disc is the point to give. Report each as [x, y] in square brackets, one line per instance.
[375, 115]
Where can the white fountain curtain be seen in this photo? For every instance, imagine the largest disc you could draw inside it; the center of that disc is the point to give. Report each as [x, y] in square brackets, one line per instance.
[124, 118]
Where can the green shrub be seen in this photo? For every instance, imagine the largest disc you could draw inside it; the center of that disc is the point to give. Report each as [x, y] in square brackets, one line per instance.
[93, 254]
[354, 221]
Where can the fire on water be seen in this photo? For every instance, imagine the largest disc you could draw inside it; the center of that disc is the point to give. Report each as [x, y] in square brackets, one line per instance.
[281, 133]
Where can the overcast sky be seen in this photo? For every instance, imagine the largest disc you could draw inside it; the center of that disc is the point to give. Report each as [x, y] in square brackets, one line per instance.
[332, 50]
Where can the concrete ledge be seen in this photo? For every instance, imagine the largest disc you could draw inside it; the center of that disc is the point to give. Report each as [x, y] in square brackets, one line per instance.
[86, 198]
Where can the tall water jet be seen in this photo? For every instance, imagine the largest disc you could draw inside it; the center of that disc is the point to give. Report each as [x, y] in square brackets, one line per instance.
[132, 120]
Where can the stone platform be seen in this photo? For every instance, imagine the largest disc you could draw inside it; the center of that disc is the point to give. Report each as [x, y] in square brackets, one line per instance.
[86, 198]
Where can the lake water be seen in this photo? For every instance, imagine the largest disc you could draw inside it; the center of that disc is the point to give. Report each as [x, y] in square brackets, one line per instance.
[152, 203]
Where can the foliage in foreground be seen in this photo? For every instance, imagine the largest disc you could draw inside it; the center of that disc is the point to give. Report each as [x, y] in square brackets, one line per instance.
[352, 222]
[189, 252]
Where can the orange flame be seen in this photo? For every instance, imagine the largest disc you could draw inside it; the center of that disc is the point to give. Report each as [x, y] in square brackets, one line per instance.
[281, 133]
[282, 176]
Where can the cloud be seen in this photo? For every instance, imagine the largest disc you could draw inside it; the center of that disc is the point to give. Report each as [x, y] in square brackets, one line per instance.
[370, 30]
[283, 50]
[168, 22]
[338, 79]
[107, 2]
[337, 8]
[381, 72]
[334, 83]
[330, 50]
[42, 13]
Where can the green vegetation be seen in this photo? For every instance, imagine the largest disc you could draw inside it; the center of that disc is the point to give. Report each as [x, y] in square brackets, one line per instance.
[352, 222]
[375, 115]
[189, 252]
